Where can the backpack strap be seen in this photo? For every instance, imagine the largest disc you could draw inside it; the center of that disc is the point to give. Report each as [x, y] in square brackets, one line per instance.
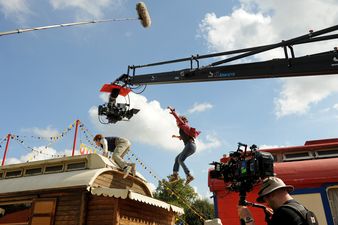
[309, 218]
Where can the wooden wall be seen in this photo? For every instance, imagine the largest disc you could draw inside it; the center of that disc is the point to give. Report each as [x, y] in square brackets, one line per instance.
[102, 210]
[69, 207]
[115, 180]
[77, 206]
[112, 211]
[134, 212]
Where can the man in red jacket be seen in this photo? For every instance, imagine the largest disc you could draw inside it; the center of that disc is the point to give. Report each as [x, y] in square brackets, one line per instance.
[187, 135]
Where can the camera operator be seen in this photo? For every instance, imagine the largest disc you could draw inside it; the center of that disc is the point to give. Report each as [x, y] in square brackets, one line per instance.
[119, 146]
[285, 210]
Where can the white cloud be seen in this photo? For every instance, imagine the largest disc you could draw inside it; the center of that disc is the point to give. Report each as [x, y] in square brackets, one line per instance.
[236, 31]
[42, 132]
[19, 10]
[39, 153]
[86, 7]
[260, 22]
[15, 9]
[211, 141]
[153, 125]
[200, 107]
[298, 94]
[335, 106]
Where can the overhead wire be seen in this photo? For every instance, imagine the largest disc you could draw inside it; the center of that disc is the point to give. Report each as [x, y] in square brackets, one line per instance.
[32, 149]
[20, 139]
[88, 136]
[164, 183]
[3, 140]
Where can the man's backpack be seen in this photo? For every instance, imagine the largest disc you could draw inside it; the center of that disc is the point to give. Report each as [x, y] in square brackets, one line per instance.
[309, 218]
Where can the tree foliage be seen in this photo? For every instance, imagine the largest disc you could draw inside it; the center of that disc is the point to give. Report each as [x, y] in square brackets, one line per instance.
[184, 196]
[175, 193]
[203, 207]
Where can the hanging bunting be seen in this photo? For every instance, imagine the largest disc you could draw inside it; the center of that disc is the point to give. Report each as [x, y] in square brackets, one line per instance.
[84, 149]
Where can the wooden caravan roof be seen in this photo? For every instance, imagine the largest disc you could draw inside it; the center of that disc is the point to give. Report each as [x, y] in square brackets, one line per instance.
[69, 172]
[50, 181]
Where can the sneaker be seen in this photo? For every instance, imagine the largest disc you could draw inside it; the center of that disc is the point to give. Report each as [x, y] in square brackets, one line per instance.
[189, 179]
[173, 178]
[126, 171]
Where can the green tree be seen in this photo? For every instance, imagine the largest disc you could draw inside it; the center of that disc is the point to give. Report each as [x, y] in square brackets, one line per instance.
[175, 193]
[203, 207]
[185, 197]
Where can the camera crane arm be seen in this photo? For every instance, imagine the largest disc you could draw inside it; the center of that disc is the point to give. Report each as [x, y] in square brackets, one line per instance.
[323, 63]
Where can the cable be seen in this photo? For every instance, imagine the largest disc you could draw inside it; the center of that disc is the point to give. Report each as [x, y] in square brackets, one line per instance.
[87, 133]
[165, 184]
[3, 140]
[18, 140]
[137, 87]
[153, 174]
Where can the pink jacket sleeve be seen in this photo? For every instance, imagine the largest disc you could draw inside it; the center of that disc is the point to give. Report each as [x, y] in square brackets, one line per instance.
[181, 124]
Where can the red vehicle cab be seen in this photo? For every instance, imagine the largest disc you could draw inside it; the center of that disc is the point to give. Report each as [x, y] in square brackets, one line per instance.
[312, 169]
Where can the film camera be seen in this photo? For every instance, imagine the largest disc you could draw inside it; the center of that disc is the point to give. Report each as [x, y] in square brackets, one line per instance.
[244, 169]
[115, 112]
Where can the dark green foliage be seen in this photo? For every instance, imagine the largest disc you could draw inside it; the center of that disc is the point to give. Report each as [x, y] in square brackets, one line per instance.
[185, 197]
[175, 193]
[204, 208]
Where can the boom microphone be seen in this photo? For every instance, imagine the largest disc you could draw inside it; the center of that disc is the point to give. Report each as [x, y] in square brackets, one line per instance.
[143, 14]
[141, 9]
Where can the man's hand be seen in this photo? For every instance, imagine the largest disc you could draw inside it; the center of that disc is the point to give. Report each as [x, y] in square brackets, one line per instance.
[176, 136]
[269, 211]
[245, 215]
[171, 109]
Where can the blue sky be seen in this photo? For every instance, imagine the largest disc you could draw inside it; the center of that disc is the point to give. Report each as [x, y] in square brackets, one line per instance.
[51, 78]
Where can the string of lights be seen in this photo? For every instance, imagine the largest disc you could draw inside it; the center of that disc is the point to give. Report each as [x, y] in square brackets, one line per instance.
[89, 137]
[51, 139]
[2, 141]
[130, 155]
[35, 151]
[62, 135]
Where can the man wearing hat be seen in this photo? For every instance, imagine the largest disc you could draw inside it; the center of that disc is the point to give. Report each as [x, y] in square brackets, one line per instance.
[285, 210]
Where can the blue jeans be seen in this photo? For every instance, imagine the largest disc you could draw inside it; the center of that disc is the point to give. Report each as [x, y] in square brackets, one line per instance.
[188, 150]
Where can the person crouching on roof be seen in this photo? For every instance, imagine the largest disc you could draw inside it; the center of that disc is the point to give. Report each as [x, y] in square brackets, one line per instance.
[187, 135]
[119, 146]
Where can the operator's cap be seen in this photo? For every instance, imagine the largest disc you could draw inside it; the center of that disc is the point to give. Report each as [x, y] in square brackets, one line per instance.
[271, 184]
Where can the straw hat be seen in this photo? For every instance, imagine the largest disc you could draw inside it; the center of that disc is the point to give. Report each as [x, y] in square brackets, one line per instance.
[271, 184]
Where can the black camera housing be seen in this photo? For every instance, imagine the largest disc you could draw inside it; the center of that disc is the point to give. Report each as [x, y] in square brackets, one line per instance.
[244, 169]
[115, 112]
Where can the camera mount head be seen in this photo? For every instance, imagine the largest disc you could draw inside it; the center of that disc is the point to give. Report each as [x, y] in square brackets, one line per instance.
[113, 111]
